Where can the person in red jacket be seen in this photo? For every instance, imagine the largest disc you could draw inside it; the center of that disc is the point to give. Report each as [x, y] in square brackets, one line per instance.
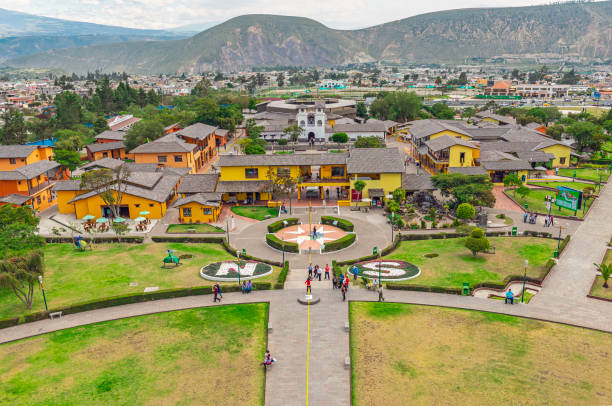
[308, 289]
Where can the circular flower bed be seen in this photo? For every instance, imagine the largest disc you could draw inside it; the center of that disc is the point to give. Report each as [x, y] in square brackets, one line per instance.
[390, 270]
[227, 271]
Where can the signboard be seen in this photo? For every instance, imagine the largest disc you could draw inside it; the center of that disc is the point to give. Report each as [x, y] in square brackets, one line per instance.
[568, 198]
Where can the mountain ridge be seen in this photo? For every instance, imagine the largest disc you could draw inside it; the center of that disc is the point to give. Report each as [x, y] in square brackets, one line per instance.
[257, 40]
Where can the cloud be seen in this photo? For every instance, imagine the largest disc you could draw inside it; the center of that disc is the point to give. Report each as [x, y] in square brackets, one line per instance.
[163, 14]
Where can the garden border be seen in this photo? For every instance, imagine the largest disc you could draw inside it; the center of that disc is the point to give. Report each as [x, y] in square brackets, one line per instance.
[246, 278]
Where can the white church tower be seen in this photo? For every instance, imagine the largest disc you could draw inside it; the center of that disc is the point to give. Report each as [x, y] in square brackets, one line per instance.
[312, 120]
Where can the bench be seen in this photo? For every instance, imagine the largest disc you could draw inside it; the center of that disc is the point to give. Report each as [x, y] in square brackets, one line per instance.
[347, 363]
[55, 314]
[347, 327]
[267, 216]
[269, 327]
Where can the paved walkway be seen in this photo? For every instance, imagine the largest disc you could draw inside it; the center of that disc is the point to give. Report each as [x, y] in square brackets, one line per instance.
[502, 201]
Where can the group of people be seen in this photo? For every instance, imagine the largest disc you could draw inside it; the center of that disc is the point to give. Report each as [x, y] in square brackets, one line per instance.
[316, 272]
[217, 292]
[247, 287]
[532, 218]
[549, 221]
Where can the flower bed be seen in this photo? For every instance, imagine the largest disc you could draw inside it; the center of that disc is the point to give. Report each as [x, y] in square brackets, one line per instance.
[390, 270]
[227, 271]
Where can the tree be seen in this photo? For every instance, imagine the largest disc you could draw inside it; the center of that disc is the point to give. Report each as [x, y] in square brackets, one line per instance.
[18, 231]
[369, 142]
[442, 111]
[294, 132]
[468, 112]
[100, 124]
[477, 241]
[474, 189]
[14, 128]
[280, 79]
[254, 149]
[399, 195]
[362, 110]
[380, 108]
[109, 184]
[555, 131]
[512, 179]
[523, 191]
[393, 206]
[359, 186]
[201, 89]
[143, 132]
[67, 159]
[252, 129]
[20, 273]
[570, 78]
[465, 211]
[605, 270]
[119, 229]
[68, 109]
[280, 185]
[587, 135]
[341, 138]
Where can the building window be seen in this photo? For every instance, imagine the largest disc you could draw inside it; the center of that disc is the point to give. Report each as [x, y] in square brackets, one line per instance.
[178, 158]
[105, 155]
[150, 204]
[562, 160]
[186, 211]
[319, 123]
[207, 210]
[162, 158]
[12, 161]
[338, 171]
[284, 172]
[251, 173]
[137, 205]
[38, 199]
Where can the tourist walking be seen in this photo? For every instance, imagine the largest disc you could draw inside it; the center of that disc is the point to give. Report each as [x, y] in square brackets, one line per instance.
[310, 271]
[217, 292]
[347, 280]
[380, 293]
[525, 217]
[326, 271]
[343, 289]
[308, 288]
[249, 287]
[335, 282]
[319, 273]
[355, 272]
[244, 287]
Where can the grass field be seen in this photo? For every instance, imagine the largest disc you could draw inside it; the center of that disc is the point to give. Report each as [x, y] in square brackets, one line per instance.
[73, 276]
[536, 203]
[419, 355]
[199, 228]
[598, 289]
[456, 264]
[188, 357]
[283, 152]
[572, 185]
[591, 174]
[255, 212]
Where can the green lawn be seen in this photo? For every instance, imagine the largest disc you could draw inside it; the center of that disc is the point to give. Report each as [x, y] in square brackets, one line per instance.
[73, 276]
[536, 203]
[283, 152]
[188, 357]
[405, 354]
[456, 264]
[572, 185]
[255, 212]
[198, 228]
[585, 173]
[598, 289]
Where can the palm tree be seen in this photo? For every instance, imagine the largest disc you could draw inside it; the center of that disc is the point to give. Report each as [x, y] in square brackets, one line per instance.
[605, 270]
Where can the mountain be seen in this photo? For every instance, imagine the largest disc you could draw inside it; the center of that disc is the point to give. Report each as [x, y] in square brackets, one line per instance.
[192, 28]
[16, 24]
[267, 40]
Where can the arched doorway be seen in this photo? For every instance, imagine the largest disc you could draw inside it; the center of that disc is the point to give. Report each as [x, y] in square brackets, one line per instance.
[311, 137]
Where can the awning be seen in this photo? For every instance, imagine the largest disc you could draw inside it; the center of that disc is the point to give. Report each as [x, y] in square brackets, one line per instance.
[376, 192]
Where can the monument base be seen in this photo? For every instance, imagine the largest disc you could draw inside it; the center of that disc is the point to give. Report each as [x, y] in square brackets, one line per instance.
[309, 299]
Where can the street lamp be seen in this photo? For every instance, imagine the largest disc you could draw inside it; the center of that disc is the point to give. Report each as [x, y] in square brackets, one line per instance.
[392, 219]
[40, 281]
[283, 250]
[524, 281]
[227, 230]
[559, 241]
[379, 264]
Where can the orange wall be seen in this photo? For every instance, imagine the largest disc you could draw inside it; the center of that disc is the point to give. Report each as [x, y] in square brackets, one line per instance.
[39, 154]
[114, 153]
[188, 160]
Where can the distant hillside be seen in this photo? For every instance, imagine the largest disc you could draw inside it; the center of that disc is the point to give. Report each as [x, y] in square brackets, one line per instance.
[16, 24]
[265, 40]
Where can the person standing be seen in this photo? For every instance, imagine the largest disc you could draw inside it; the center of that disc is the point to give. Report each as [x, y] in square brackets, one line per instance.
[380, 293]
[310, 271]
[335, 282]
[308, 288]
[355, 272]
[326, 271]
[319, 273]
[347, 280]
[343, 289]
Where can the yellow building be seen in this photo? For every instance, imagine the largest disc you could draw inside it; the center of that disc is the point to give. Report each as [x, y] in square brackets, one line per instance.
[144, 191]
[199, 208]
[380, 168]
[561, 154]
[443, 152]
[16, 156]
[114, 150]
[173, 154]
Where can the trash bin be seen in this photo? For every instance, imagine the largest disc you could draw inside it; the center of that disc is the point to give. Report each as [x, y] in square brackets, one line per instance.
[466, 289]
[556, 254]
[514, 231]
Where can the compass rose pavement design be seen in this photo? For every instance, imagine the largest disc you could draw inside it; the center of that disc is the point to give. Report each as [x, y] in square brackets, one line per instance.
[301, 234]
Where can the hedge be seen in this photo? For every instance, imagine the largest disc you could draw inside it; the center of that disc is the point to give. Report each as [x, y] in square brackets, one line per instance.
[282, 276]
[129, 299]
[277, 225]
[274, 242]
[98, 240]
[341, 223]
[340, 243]
[564, 243]
[421, 288]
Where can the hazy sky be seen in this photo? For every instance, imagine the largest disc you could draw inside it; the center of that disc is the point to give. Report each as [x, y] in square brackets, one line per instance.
[159, 14]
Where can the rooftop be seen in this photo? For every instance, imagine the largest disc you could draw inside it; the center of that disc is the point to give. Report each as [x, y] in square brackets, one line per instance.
[106, 146]
[198, 183]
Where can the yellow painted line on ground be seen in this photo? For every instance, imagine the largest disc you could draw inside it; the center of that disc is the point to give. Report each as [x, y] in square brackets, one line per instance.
[308, 352]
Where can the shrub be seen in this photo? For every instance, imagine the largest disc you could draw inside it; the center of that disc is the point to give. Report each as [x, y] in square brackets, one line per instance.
[414, 226]
[282, 276]
[341, 138]
[423, 225]
[283, 141]
[501, 216]
[342, 223]
[445, 225]
[419, 288]
[434, 224]
[456, 223]
[339, 243]
[431, 255]
[465, 211]
[563, 243]
[477, 242]
[280, 224]
[274, 242]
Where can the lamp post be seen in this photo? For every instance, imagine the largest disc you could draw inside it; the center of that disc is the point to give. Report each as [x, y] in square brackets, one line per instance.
[379, 266]
[40, 281]
[524, 281]
[559, 240]
[227, 230]
[392, 219]
[283, 250]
